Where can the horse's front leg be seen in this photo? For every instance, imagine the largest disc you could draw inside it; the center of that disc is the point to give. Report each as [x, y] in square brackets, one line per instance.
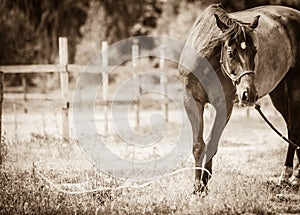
[221, 119]
[194, 110]
[195, 114]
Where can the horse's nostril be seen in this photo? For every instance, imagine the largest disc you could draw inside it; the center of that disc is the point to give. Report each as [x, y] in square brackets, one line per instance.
[244, 96]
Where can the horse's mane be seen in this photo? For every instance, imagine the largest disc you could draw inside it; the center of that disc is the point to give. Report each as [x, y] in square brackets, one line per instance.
[207, 38]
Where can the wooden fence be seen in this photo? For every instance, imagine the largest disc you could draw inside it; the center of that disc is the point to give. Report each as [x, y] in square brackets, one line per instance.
[64, 68]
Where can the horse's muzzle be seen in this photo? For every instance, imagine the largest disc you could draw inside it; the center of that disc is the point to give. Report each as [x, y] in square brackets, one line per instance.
[247, 98]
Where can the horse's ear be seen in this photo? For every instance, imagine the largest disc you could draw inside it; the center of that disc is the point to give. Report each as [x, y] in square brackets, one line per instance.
[254, 24]
[220, 23]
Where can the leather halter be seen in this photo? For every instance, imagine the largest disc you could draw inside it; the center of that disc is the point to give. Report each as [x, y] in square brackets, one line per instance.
[234, 78]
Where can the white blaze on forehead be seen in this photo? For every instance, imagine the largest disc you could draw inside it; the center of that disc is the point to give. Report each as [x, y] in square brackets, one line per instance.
[243, 45]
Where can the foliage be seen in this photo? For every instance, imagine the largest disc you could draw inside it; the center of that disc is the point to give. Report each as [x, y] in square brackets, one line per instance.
[93, 31]
[15, 37]
[112, 21]
[178, 17]
[32, 28]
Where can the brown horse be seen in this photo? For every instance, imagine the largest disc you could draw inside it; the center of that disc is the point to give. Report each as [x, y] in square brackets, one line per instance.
[254, 53]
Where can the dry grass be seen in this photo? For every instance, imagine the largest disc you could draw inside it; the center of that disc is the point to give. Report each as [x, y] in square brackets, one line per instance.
[240, 184]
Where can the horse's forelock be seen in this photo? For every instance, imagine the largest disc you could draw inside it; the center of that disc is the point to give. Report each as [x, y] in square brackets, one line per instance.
[207, 38]
[205, 34]
[238, 31]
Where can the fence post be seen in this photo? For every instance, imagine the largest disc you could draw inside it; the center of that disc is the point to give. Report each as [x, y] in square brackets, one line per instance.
[137, 88]
[1, 102]
[248, 113]
[163, 84]
[64, 86]
[24, 86]
[105, 84]
[15, 122]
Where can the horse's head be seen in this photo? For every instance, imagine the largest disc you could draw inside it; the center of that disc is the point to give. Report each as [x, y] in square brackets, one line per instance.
[237, 57]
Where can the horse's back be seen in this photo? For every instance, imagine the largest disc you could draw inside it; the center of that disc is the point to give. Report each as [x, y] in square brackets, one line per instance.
[277, 37]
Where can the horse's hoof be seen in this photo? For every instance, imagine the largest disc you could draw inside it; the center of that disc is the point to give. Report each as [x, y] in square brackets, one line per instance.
[283, 183]
[284, 178]
[295, 181]
[200, 195]
[202, 192]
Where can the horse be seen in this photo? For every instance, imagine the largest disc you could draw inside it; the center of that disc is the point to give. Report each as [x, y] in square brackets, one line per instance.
[254, 53]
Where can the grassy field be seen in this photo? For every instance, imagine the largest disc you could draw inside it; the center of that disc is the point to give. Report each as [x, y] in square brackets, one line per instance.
[249, 159]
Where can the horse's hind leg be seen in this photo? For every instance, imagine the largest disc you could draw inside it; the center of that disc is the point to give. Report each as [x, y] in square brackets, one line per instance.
[286, 99]
[295, 179]
[279, 97]
[294, 118]
[294, 127]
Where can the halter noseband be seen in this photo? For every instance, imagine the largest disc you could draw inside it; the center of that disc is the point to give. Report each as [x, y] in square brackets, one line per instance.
[234, 78]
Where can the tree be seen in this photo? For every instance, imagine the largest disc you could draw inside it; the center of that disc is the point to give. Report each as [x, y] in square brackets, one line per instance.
[48, 20]
[114, 20]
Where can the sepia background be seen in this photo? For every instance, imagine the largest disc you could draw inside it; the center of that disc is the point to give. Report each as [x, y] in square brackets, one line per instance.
[41, 173]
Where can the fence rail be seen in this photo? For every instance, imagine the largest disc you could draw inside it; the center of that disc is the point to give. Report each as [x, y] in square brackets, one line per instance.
[56, 68]
[40, 68]
[48, 68]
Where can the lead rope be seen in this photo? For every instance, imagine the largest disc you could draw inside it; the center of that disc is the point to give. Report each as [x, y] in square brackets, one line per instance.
[257, 107]
[65, 188]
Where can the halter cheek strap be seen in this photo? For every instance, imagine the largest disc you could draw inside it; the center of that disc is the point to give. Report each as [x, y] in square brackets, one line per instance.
[234, 78]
